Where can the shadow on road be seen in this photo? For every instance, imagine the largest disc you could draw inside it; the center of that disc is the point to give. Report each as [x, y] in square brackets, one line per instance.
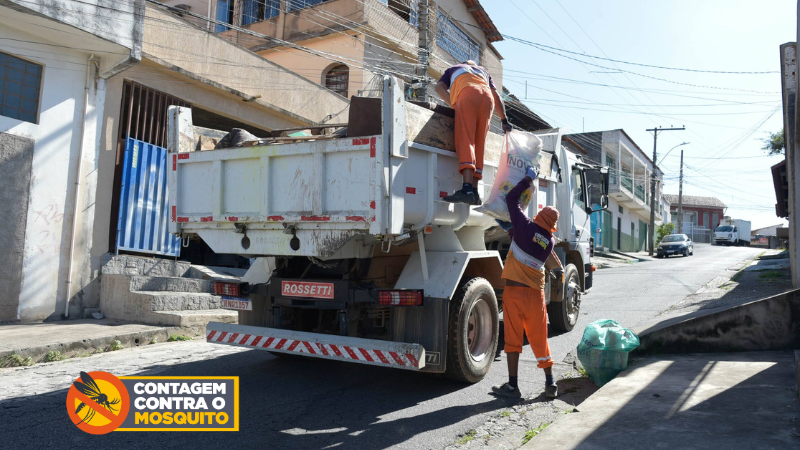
[284, 403]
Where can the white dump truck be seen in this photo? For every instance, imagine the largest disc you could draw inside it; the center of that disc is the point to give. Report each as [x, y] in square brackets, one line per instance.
[732, 232]
[357, 258]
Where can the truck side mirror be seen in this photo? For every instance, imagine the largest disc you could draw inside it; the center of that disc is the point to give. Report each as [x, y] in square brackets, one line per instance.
[597, 187]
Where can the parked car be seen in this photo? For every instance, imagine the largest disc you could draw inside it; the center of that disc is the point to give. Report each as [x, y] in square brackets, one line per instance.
[675, 244]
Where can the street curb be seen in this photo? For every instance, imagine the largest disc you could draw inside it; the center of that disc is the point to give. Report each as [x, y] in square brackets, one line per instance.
[74, 348]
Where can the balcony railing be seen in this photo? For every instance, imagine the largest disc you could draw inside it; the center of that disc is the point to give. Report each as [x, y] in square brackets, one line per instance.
[627, 182]
[639, 192]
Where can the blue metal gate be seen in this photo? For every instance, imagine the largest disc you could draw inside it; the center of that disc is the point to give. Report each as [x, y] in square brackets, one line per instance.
[144, 202]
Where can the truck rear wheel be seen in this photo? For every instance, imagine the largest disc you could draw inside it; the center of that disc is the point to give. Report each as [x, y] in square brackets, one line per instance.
[564, 315]
[472, 331]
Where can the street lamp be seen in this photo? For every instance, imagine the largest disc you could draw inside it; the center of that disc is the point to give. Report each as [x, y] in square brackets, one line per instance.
[673, 148]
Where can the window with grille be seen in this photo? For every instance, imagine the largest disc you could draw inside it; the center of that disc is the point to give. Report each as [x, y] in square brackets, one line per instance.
[456, 41]
[408, 10]
[224, 14]
[20, 82]
[294, 5]
[257, 10]
[611, 162]
[337, 79]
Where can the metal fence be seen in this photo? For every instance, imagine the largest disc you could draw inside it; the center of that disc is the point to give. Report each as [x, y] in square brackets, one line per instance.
[697, 234]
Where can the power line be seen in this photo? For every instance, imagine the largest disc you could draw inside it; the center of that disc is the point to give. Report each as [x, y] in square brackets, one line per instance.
[536, 44]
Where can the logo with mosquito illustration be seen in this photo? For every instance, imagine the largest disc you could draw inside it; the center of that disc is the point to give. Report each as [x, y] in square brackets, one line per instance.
[98, 402]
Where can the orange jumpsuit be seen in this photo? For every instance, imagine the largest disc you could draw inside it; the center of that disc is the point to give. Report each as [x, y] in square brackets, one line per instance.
[474, 109]
[472, 98]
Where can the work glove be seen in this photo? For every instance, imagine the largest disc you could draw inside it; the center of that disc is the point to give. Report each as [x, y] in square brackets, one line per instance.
[531, 172]
[506, 126]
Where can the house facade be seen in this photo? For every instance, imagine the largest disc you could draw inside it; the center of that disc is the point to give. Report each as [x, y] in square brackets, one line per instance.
[367, 37]
[624, 225]
[83, 81]
[698, 212]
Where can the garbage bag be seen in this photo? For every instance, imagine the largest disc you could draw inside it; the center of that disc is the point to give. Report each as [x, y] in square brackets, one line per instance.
[520, 151]
[236, 138]
[604, 349]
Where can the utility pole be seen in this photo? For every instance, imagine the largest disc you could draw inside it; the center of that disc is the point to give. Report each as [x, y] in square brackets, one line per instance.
[680, 199]
[652, 237]
[423, 53]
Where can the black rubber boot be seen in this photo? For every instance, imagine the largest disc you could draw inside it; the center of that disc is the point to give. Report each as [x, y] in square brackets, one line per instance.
[462, 197]
[478, 201]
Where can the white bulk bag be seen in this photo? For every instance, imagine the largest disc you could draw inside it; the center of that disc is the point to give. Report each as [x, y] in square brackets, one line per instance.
[520, 151]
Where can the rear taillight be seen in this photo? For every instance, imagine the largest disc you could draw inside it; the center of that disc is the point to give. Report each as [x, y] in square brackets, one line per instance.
[400, 298]
[223, 288]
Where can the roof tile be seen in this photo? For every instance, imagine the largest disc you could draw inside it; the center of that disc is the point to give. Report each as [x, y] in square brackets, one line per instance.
[693, 200]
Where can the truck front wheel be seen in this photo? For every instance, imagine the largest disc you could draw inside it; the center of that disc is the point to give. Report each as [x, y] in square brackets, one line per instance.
[472, 331]
[564, 315]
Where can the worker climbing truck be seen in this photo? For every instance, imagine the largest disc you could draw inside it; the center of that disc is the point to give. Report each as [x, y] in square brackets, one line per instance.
[357, 258]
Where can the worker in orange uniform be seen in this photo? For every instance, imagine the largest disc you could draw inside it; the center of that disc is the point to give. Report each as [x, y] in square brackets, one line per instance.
[470, 90]
[524, 307]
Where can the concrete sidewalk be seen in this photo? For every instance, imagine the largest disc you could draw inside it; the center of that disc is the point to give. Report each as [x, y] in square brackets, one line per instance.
[700, 401]
[77, 337]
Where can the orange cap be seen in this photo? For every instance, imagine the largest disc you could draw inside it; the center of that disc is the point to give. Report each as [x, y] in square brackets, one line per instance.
[547, 218]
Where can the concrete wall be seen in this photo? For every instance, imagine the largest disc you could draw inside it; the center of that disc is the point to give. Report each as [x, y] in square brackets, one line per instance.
[176, 44]
[349, 47]
[113, 22]
[56, 150]
[16, 157]
[772, 323]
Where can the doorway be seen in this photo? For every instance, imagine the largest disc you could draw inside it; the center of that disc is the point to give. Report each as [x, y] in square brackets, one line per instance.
[619, 233]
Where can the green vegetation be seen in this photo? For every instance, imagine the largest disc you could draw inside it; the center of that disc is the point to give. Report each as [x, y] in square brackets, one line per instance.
[771, 274]
[15, 360]
[154, 340]
[775, 144]
[178, 337]
[467, 437]
[663, 230]
[530, 434]
[116, 345]
[505, 414]
[54, 355]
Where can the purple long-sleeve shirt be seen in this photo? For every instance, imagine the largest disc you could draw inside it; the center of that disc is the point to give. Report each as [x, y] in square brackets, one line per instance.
[529, 237]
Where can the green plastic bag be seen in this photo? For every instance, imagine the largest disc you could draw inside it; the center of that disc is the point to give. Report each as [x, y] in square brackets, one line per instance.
[604, 349]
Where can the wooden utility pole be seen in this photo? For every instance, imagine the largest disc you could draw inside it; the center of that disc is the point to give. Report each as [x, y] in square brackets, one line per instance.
[680, 199]
[652, 237]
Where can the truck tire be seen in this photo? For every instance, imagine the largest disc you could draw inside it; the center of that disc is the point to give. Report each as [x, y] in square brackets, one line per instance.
[564, 315]
[472, 331]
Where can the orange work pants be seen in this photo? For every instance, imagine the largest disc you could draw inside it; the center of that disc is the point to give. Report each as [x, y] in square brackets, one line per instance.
[474, 108]
[524, 310]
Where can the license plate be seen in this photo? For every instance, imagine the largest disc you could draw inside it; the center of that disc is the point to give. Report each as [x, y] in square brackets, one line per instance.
[239, 304]
[307, 289]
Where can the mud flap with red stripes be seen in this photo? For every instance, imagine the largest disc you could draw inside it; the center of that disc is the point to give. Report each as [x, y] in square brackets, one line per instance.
[398, 355]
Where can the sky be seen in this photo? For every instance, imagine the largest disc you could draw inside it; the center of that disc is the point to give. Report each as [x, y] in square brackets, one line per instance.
[726, 115]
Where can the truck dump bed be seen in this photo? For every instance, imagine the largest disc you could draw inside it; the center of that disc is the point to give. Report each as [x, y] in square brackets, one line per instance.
[317, 198]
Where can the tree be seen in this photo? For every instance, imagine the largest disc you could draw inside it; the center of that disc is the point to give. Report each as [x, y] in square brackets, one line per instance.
[663, 230]
[775, 144]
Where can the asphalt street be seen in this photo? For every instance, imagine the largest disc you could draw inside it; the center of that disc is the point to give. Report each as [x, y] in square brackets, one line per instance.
[314, 404]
